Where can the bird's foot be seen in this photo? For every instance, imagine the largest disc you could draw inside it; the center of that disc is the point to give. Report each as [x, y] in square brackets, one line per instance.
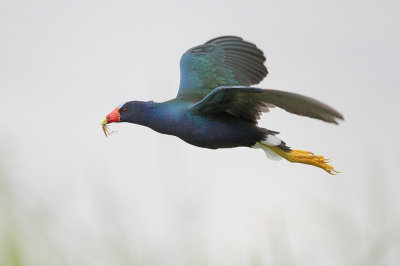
[305, 157]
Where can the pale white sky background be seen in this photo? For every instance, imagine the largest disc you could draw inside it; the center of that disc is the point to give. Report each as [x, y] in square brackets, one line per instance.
[155, 199]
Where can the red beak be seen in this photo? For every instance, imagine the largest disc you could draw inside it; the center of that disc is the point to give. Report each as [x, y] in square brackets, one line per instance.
[113, 116]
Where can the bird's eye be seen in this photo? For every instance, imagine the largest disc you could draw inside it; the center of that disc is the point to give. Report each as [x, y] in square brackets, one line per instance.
[124, 110]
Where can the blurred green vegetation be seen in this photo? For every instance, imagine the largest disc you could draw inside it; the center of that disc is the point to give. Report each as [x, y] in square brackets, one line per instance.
[26, 240]
[10, 247]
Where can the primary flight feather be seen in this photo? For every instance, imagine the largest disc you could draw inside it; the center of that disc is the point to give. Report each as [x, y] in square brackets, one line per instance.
[216, 107]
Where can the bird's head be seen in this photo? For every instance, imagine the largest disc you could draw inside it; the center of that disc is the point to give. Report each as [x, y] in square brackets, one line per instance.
[125, 112]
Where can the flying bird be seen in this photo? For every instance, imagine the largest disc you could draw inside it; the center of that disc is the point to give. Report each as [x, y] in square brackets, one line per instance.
[216, 108]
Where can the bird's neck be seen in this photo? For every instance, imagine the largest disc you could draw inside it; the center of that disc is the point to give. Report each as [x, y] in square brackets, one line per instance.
[165, 117]
[141, 114]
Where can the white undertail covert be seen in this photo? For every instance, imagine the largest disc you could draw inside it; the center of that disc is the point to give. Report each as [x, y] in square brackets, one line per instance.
[271, 140]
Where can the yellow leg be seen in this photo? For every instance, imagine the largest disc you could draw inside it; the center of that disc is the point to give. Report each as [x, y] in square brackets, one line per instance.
[305, 157]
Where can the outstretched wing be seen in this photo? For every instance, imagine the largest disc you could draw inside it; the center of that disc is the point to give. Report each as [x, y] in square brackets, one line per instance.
[223, 61]
[248, 103]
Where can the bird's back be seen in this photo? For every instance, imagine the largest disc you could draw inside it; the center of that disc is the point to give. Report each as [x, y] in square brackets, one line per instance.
[208, 131]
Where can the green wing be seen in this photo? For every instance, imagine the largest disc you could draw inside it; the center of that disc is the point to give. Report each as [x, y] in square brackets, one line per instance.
[223, 61]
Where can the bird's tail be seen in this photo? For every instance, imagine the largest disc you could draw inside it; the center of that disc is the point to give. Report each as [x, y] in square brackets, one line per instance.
[276, 149]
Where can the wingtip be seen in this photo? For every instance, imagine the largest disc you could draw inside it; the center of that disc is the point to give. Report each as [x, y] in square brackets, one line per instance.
[338, 117]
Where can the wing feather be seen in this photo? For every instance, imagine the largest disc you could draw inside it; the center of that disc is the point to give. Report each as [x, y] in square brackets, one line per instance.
[248, 103]
[223, 61]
